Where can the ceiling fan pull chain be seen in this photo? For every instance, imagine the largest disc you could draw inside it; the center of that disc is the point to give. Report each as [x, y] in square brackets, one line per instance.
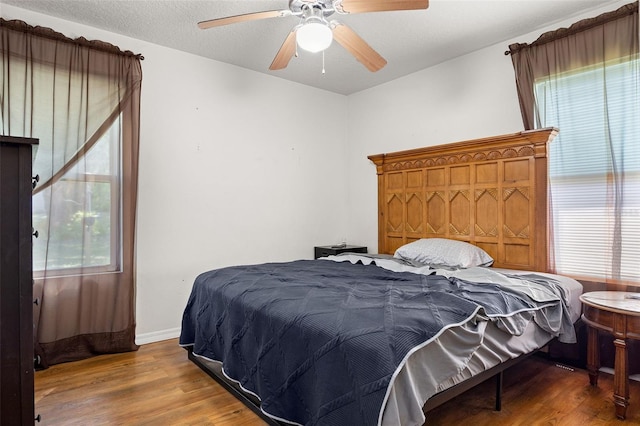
[323, 62]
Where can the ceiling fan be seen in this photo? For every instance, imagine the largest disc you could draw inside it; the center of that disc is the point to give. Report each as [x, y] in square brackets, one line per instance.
[315, 33]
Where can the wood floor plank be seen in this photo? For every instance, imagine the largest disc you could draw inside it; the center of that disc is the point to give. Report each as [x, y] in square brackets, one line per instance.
[158, 385]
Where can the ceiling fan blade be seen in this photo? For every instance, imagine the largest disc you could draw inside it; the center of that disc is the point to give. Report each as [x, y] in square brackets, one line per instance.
[285, 53]
[358, 47]
[243, 18]
[362, 6]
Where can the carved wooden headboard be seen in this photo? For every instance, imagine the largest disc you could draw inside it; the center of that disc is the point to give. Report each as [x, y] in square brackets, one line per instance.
[491, 192]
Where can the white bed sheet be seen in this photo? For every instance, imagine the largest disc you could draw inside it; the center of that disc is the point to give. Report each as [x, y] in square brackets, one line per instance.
[572, 287]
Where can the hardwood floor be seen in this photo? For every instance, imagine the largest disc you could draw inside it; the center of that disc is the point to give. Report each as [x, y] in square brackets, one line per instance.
[539, 392]
[158, 385]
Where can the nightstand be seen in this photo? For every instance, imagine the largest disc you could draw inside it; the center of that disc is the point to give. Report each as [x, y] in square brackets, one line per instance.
[618, 313]
[322, 251]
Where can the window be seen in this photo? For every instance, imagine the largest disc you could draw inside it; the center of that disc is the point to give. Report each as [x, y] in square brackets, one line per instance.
[83, 234]
[77, 205]
[594, 169]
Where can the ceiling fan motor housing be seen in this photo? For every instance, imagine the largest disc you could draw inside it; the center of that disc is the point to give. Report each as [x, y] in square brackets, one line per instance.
[320, 8]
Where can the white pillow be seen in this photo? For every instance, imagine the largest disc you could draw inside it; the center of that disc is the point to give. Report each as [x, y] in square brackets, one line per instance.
[440, 251]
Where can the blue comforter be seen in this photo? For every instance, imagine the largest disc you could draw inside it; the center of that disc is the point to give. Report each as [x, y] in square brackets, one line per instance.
[319, 341]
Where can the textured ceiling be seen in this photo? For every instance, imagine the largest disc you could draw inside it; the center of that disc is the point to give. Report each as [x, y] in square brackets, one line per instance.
[408, 40]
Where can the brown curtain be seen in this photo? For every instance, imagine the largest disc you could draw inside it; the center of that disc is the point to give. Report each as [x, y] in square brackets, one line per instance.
[592, 191]
[81, 99]
[610, 36]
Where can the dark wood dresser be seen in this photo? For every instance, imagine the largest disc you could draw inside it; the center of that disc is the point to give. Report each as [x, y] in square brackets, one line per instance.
[16, 282]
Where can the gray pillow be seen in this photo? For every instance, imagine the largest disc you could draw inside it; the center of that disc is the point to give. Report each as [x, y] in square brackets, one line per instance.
[441, 251]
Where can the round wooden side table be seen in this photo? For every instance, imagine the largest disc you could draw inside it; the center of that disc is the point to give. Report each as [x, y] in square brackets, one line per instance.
[618, 313]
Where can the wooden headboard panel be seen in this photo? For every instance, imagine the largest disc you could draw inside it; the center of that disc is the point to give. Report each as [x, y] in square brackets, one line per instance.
[491, 192]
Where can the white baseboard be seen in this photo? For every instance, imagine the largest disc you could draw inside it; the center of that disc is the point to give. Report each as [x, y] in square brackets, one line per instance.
[157, 336]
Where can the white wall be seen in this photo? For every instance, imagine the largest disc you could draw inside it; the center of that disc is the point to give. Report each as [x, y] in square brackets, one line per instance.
[229, 174]
[468, 97]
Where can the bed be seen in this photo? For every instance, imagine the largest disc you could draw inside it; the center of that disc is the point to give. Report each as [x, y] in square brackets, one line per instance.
[458, 292]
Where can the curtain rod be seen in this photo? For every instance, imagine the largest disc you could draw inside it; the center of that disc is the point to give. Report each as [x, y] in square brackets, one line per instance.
[583, 25]
[103, 46]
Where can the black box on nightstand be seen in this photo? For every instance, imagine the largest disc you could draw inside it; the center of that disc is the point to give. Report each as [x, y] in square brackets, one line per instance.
[322, 251]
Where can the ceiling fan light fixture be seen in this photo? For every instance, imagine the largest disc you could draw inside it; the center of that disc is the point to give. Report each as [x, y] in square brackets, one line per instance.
[314, 36]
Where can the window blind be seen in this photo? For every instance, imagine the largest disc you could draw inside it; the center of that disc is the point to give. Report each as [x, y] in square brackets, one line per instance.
[594, 169]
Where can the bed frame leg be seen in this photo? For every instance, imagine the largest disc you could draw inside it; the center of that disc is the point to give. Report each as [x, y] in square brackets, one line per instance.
[499, 391]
